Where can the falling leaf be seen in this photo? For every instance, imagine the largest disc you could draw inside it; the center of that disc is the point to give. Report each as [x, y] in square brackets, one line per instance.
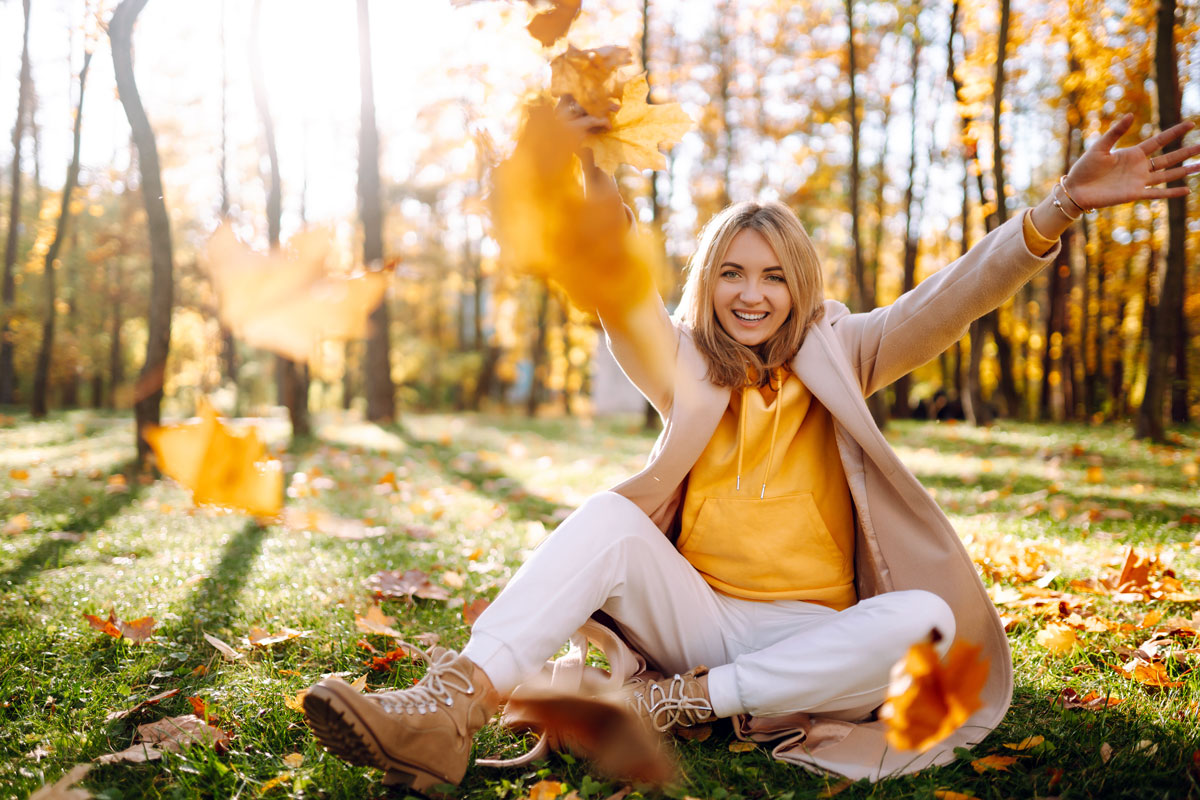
[293, 760]
[1058, 639]
[550, 26]
[223, 648]
[62, 788]
[409, 583]
[545, 790]
[548, 227]
[638, 130]
[997, 763]
[149, 701]
[220, 466]
[927, 701]
[742, 747]
[590, 77]
[472, 610]
[287, 302]
[1028, 743]
[17, 524]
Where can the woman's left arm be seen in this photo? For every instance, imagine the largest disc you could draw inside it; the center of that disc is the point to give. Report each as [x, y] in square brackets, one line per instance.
[891, 341]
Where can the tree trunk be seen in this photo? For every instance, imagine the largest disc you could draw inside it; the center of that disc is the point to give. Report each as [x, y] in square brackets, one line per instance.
[912, 232]
[292, 377]
[148, 397]
[381, 392]
[859, 287]
[41, 375]
[537, 354]
[229, 361]
[8, 287]
[1170, 293]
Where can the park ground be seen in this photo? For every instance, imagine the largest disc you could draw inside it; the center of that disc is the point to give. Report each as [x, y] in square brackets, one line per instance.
[1088, 540]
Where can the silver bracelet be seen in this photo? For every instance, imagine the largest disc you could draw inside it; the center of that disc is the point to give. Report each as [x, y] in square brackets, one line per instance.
[1058, 204]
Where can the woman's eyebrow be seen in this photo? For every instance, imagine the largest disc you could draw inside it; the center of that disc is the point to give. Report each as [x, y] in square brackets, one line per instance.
[739, 266]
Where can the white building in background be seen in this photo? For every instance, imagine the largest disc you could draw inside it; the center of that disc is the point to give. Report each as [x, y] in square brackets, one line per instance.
[612, 392]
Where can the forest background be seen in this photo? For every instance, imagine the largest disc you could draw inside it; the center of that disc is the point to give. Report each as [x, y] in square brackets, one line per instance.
[891, 128]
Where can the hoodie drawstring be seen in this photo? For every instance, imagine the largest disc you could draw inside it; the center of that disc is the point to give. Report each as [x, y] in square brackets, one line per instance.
[778, 376]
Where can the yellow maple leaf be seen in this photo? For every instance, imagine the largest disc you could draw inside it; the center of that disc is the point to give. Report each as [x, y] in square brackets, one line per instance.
[550, 26]
[1058, 639]
[222, 467]
[589, 76]
[547, 226]
[287, 302]
[928, 700]
[997, 763]
[638, 131]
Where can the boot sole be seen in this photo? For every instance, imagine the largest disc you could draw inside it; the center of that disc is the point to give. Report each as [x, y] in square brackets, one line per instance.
[345, 734]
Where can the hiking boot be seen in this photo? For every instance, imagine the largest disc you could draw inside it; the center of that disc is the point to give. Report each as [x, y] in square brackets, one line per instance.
[419, 737]
[676, 702]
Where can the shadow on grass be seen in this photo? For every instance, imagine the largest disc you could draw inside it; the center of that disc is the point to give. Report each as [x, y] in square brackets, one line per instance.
[492, 483]
[49, 553]
[215, 598]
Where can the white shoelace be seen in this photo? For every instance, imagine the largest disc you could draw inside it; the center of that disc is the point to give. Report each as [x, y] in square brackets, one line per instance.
[431, 690]
[666, 707]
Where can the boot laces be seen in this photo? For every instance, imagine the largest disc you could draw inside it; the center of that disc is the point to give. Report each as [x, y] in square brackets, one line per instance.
[441, 682]
[666, 704]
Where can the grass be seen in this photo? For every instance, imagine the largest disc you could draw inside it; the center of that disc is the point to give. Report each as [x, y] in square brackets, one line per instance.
[472, 494]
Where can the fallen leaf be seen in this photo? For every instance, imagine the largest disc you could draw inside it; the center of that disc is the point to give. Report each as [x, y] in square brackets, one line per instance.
[997, 763]
[410, 583]
[590, 77]
[742, 747]
[472, 610]
[942, 794]
[1145, 747]
[926, 700]
[1135, 573]
[149, 701]
[377, 622]
[220, 466]
[1149, 673]
[293, 760]
[359, 683]
[454, 580]
[637, 131]
[295, 702]
[1058, 639]
[694, 733]
[17, 524]
[288, 302]
[1106, 752]
[166, 735]
[1095, 474]
[62, 788]
[545, 790]
[1069, 698]
[260, 637]
[550, 26]
[138, 630]
[1027, 743]
[834, 789]
[224, 649]
[19, 474]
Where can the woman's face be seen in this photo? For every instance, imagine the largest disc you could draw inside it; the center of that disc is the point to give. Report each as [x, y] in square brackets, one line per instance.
[751, 298]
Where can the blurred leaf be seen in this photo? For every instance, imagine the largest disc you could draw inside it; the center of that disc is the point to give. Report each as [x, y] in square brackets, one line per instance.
[927, 701]
[638, 131]
[62, 788]
[550, 26]
[590, 77]
[996, 763]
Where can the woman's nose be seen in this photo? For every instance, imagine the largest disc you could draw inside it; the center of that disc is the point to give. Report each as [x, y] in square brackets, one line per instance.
[751, 292]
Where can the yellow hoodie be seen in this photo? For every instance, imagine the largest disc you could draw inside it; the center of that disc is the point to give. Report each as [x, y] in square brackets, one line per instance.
[767, 514]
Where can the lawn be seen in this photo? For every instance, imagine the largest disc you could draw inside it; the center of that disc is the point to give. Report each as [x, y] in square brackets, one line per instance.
[1049, 512]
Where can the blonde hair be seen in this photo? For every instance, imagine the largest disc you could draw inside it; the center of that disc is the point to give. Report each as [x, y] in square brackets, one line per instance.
[729, 362]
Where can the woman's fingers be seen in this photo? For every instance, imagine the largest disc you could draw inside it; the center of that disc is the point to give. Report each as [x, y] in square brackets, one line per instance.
[1174, 157]
[1111, 136]
[1168, 175]
[1164, 138]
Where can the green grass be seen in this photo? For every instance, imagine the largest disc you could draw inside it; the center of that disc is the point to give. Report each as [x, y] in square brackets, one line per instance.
[473, 494]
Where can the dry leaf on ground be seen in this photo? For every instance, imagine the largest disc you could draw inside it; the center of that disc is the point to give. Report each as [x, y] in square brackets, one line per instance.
[927, 701]
[473, 609]
[1028, 743]
[1058, 639]
[408, 584]
[137, 630]
[997, 763]
[167, 736]
[260, 637]
[149, 701]
[17, 524]
[376, 622]
[223, 648]
[1069, 698]
[62, 789]
[222, 467]
[545, 790]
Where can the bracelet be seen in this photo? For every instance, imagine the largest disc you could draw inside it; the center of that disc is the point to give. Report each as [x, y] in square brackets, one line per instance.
[1058, 204]
[1062, 181]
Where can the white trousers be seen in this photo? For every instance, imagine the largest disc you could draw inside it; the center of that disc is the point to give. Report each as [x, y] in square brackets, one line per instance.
[766, 658]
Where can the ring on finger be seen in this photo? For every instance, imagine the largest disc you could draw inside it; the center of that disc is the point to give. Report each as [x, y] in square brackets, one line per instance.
[1153, 168]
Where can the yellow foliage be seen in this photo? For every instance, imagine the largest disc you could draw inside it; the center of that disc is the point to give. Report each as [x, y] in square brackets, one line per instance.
[927, 701]
[638, 131]
[589, 76]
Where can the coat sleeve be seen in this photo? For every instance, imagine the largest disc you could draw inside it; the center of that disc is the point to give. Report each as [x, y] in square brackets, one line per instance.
[891, 341]
[645, 341]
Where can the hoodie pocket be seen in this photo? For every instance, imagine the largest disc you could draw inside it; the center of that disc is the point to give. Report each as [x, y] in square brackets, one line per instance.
[777, 544]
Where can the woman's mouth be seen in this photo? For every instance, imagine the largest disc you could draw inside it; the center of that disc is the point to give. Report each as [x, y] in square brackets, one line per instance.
[746, 316]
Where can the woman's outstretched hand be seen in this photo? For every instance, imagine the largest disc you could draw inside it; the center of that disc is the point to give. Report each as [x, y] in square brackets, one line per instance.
[1106, 177]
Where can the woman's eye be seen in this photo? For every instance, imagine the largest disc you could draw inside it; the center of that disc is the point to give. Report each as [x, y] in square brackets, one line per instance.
[730, 273]
[777, 278]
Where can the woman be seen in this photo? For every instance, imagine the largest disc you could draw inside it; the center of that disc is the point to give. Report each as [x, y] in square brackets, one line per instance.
[801, 558]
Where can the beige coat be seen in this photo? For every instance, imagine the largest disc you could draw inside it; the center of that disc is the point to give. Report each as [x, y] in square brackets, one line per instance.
[904, 541]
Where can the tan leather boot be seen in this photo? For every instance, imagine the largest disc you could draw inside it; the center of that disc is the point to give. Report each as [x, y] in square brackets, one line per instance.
[419, 737]
[676, 702]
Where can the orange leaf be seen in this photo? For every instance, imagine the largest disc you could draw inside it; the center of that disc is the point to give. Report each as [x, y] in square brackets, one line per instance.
[1058, 639]
[927, 701]
[550, 26]
[17, 524]
[997, 763]
[220, 466]
[947, 795]
[19, 474]
[410, 583]
[545, 790]
[138, 630]
[472, 610]
[638, 130]
[590, 77]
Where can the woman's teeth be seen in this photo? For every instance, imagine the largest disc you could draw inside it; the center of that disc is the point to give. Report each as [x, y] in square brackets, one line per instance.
[750, 317]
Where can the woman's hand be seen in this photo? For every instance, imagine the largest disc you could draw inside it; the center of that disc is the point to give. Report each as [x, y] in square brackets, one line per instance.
[1106, 177]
